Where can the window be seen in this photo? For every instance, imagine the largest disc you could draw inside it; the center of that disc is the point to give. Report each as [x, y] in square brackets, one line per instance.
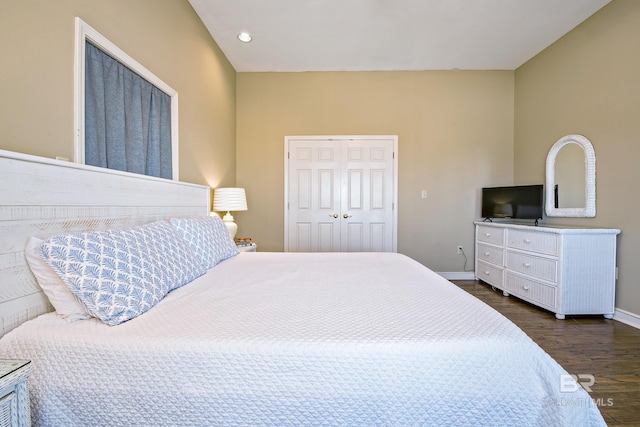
[125, 117]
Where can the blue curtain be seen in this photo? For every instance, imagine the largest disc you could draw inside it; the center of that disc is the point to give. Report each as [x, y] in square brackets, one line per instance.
[127, 119]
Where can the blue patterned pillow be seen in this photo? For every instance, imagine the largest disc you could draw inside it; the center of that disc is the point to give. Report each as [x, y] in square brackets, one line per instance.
[208, 237]
[120, 274]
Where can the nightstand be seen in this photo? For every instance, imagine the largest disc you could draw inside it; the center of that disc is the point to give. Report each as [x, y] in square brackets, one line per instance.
[14, 396]
[248, 248]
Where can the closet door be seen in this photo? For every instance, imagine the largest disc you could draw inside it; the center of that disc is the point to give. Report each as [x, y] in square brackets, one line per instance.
[367, 195]
[340, 194]
[314, 196]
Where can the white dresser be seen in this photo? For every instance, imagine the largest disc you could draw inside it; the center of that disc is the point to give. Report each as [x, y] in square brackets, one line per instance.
[564, 270]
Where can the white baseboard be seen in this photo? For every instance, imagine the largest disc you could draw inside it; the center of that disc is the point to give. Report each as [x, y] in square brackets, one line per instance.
[457, 275]
[627, 317]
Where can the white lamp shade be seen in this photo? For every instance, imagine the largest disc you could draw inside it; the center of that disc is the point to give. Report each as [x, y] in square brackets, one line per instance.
[229, 199]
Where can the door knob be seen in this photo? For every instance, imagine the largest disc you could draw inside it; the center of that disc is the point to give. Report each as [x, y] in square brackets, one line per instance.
[334, 215]
[345, 216]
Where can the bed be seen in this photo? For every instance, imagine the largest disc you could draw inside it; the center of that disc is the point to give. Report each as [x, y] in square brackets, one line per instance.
[261, 338]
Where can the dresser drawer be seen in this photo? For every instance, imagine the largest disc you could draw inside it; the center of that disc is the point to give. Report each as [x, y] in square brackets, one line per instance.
[536, 267]
[491, 254]
[490, 235]
[489, 273]
[538, 293]
[544, 243]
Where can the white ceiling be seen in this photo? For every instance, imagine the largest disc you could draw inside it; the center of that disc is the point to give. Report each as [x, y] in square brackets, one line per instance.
[359, 35]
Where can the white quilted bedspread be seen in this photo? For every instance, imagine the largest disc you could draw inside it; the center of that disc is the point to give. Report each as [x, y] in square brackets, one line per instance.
[299, 339]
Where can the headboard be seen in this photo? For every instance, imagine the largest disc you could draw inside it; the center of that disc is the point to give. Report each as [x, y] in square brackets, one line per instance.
[42, 197]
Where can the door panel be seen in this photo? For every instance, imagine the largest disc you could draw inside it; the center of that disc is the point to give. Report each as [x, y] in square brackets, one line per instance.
[354, 190]
[354, 239]
[326, 190]
[377, 233]
[377, 189]
[304, 189]
[303, 236]
[326, 237]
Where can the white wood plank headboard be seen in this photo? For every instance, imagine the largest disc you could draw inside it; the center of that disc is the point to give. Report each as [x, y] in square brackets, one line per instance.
[42, 197]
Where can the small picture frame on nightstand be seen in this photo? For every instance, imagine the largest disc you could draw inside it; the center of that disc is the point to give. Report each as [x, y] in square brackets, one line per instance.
[245, 244]
[248, 248]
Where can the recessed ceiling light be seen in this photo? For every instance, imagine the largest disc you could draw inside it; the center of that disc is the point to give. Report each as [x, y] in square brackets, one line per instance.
[244, 37]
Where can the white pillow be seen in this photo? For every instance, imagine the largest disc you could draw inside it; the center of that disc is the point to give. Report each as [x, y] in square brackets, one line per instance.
[208, 237]
[120, 274]
[61, 298]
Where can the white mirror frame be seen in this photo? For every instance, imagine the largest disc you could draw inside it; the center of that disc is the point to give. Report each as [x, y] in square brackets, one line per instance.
[590, 179]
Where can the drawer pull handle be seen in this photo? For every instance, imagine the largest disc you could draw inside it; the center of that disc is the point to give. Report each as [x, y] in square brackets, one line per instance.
[527, 241]
[487, 234]
[526, 288]
[526, 264]
[486, 254]
[487, 273]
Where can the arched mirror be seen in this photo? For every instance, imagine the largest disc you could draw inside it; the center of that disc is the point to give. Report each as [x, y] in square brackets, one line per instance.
[571, 178]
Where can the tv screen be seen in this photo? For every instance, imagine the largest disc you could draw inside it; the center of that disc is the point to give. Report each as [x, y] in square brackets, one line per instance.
[517, 202]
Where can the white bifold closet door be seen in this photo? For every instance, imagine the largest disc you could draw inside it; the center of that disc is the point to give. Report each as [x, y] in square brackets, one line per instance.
[340, 194]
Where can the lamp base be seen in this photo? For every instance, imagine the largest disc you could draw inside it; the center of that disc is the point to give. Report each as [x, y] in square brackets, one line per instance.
[231, 226]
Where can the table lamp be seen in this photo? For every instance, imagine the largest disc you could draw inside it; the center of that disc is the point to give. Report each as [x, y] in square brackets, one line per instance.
[229, 199]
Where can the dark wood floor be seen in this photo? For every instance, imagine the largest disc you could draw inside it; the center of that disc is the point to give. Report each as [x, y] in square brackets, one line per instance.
[607, 349]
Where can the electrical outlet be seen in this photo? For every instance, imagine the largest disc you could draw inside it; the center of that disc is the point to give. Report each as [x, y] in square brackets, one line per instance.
[460, 249]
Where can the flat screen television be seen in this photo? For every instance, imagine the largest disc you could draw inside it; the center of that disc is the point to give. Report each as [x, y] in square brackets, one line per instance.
[516, 202]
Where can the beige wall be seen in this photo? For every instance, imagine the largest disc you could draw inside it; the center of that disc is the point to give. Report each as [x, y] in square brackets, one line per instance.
[455, 131]
[456, 128]
[589, 83]
[165, 36]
